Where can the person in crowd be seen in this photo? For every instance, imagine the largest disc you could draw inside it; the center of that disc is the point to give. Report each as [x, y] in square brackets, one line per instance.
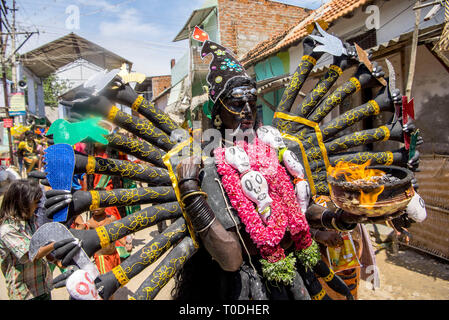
[26, 279]
[28, 151]
[107, 258]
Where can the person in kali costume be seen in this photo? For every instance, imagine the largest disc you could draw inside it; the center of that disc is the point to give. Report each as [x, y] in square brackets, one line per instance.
[28, 151]
[242, 207]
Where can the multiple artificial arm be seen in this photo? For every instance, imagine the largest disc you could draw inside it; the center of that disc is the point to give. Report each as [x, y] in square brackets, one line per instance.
[160, 134]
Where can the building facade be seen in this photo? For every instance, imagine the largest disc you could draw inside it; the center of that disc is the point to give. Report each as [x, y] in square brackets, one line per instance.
[236, 24]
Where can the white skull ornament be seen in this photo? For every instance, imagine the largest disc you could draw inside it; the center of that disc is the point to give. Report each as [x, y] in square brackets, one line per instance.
[255, 188]
[271, 136]
[237, 158]
[292, 164]
[416, 208]
[81, 286]
[302, 190]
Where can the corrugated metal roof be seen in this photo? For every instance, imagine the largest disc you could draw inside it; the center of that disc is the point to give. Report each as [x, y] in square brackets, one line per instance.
[52, 56]
[196, 18]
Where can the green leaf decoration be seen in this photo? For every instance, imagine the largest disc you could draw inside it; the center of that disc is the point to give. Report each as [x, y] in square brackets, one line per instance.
[207, 108]
[310, 256]
[72, 133]
[280, 271]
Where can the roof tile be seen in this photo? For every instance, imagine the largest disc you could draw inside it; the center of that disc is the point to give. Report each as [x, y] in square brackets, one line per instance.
[329, 12]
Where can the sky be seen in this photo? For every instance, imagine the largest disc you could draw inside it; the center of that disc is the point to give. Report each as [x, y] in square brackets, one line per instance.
[141, 31]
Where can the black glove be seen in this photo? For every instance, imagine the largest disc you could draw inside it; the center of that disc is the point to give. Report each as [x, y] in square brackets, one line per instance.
[65, 250]
[77, 202]
[368, 79]
[40, 176]
[120, 92]
[106, 285]
[94, 105]
[409, 128]
[60, 281]
[89, 240]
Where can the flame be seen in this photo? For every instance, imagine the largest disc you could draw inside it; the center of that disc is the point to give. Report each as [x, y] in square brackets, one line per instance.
[353, 172]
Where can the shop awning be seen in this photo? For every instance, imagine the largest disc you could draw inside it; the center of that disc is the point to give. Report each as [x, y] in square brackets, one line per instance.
[196, 18]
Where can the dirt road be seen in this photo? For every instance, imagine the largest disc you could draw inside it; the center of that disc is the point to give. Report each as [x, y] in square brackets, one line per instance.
[408, 275]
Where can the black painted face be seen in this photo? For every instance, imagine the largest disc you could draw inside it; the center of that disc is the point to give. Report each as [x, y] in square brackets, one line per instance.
[240, 108]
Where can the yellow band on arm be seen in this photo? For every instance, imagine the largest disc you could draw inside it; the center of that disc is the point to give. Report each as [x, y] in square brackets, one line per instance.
[312, 60]
[112, 113]
[375, 105]
[120, 275]
[103, 235]
[386, 132]
[330, 276]
[137, 103]
[95, 200]
[90, 167]
[336, 69]
[320, 295]
[356, 83]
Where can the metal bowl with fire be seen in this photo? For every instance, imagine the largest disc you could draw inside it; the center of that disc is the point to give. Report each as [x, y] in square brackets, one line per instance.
[371, 191]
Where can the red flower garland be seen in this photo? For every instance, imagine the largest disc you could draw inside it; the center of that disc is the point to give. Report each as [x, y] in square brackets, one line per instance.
[285, 210]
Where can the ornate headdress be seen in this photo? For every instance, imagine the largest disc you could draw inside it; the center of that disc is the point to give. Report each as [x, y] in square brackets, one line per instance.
[223, 67]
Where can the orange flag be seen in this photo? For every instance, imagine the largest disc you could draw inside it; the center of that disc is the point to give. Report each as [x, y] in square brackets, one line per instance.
[200, 35]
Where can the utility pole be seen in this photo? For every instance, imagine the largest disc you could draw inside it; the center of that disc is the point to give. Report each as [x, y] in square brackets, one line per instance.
[13, 48]
[5, 86]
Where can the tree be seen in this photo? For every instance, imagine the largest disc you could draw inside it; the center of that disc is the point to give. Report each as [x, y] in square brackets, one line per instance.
[53, 88]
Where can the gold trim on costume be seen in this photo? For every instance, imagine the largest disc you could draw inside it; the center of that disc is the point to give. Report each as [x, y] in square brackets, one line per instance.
[330, 276]
[336, 69]
[320, 295]
[103, 235]
[390, 158]
[310, 59]
[375, 105]
[120, 275]
[386, 131]
[112, 113]
[356, 83]
[306, 161]
[90, 167]
[137, 103]
[174, 181]
[95, 200]
[319, 136]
